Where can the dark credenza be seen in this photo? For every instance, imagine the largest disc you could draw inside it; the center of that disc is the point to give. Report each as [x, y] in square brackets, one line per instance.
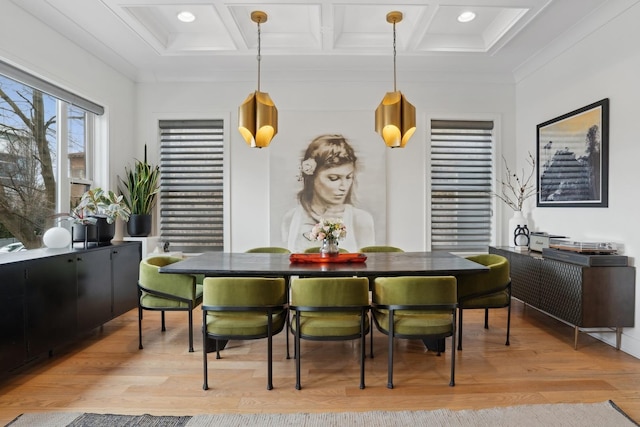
[588, 298]
[52, 297]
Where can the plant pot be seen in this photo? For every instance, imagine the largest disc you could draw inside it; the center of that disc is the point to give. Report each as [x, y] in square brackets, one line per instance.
[139, 225]
[101, 232]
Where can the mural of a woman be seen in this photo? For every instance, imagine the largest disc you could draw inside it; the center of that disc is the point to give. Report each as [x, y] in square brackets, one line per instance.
[328, 172]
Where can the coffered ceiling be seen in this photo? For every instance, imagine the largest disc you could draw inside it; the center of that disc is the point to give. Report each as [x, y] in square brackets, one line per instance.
[144, 40]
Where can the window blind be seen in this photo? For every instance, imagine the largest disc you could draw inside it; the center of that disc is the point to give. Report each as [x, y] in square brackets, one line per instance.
[461, 182]
[191, 185]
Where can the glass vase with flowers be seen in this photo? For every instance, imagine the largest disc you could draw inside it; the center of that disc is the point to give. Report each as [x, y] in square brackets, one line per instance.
[329, 232]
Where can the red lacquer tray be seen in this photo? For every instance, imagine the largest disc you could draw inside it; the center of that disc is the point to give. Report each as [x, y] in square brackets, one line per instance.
[317, 258]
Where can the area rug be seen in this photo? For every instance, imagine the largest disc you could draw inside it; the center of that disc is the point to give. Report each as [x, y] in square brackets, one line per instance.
[603, 414]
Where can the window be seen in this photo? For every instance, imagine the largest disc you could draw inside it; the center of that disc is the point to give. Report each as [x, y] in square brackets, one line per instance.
[461, 181]
[45, 151]
[78, 144]
[191, 185]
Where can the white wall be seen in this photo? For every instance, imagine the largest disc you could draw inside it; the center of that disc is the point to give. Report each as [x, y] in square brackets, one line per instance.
[249, 168]
[603, 65]
[28, 44]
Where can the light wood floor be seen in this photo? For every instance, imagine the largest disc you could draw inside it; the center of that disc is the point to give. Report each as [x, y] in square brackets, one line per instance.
[107, 372]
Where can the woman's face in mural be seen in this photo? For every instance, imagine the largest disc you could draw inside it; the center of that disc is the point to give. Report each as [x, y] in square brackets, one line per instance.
[332, 185]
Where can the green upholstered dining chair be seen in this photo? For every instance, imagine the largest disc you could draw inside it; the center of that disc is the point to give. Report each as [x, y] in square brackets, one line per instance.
[274, 250]
[329, 309]
[166, 292]
[383, 248]
[316, 250]
[378, 248]
[485, 290]
[243, 308]
[268, 250]
[415, 307]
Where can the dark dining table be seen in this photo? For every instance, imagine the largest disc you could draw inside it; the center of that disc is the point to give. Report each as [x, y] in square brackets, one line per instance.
[377, 264]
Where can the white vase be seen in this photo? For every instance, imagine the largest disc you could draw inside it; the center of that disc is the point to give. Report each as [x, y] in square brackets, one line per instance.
[518, 232]
[56, 238]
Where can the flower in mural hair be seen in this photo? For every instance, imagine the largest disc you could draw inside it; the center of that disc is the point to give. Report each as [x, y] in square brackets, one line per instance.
[331, 229]
[308, 167]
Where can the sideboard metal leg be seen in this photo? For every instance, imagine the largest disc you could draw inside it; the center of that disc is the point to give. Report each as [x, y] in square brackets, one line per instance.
[618, 337]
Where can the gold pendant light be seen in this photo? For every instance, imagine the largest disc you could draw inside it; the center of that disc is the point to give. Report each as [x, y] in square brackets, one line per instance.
[395, 116]
[258, 115]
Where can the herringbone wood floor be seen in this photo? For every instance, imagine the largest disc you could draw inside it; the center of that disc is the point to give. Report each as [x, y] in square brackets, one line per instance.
[107, 373]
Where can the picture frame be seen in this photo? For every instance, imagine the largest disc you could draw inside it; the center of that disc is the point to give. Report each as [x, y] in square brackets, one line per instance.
[573, 158]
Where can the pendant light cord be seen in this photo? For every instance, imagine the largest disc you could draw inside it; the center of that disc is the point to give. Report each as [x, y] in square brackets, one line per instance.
[394, 56]
[259, 57]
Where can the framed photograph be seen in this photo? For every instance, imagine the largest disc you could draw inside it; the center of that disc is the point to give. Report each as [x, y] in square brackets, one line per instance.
[573, 158]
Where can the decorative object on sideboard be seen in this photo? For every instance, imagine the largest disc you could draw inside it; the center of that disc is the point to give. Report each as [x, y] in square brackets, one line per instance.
[98, 232]
[95, 215]
[591, 254]
[56, 238]
[584, 247]
[140, 188]
[539, 240]
[515, 189]
[521, 238]
[517, 226]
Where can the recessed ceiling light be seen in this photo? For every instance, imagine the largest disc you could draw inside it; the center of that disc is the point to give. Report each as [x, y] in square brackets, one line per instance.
[186, 16]
[466, 16]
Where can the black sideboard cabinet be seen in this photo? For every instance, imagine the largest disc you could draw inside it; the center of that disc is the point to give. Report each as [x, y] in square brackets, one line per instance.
[584, 297]
[52, 297]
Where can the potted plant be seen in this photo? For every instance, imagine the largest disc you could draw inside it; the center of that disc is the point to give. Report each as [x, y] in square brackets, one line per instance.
[515, 189]
[95, 215]
[140, 187]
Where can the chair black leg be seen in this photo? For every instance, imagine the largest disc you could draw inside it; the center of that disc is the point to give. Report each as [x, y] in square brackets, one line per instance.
[363, 346]
[390, 366]
[371, 337]
[297, 351]
[270, 352]
[452, 382]
[460, 329]
[286, 331]
[190, 330]
[139, 327]
[508, 322]
[287, 282]
[162, 317]
[486, 318]
[205, 384]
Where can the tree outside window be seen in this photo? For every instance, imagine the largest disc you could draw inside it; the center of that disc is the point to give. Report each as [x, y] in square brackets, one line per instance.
[36, 131]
